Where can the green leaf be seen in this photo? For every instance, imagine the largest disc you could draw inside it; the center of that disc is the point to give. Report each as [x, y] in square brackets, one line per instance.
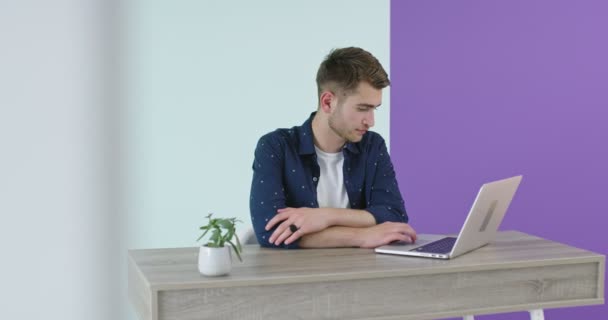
[202, 235]
[238, 242]
[236, 250]
[229, 234]
[225, 223]
[215, 237]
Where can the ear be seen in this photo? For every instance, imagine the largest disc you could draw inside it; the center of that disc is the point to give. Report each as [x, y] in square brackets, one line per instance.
[327, 101]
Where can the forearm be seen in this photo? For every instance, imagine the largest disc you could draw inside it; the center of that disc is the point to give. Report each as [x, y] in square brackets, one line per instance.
[349, 217]
[333, 237]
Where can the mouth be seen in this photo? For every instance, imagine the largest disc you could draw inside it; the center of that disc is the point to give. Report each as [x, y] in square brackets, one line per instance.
[360, 132]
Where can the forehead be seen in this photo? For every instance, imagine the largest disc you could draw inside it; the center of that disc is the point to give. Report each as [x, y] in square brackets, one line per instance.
[365, 94]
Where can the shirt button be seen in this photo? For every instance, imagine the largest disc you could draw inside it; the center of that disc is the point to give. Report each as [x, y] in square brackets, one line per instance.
[314, 179]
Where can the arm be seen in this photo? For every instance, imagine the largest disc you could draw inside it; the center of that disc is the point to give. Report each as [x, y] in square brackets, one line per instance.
[267, 191]
[384, 205]
[312, 220]
[384, 199]
[320, 228]
[267, 205]
[368, 237]
[349, 217]
[324, 227]
[332, 237]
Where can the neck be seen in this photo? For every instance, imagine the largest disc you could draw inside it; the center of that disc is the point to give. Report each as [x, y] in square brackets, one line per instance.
[324, 137]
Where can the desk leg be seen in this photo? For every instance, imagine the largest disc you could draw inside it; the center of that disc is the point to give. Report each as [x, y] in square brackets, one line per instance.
[537, 314]
[468, 318]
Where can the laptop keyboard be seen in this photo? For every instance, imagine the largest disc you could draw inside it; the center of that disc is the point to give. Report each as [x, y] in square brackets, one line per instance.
[444, 245]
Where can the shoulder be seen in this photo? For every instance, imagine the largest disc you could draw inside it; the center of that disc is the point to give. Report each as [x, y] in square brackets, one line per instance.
[372, 141]
[279, 138]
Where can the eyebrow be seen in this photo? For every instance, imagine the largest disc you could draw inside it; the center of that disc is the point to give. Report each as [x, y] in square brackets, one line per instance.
[368, 105]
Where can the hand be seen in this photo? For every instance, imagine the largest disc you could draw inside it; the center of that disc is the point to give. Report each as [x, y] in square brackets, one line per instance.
[386, 233]
[307, 220]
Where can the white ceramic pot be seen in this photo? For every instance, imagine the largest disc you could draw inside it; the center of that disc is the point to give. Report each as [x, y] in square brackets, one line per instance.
[214, 261]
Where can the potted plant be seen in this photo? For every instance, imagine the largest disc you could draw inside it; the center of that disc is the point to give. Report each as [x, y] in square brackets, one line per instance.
[214, 258]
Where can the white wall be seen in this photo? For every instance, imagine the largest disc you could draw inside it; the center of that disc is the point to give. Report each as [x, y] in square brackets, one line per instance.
[205, 80]
[56, 237]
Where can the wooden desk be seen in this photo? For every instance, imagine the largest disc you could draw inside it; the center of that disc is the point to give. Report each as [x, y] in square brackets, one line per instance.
[517, 272]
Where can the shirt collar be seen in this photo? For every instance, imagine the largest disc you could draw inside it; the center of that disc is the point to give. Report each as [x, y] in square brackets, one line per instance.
[306, 142]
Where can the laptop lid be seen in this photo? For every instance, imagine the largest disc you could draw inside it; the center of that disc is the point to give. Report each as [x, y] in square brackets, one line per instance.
[479, 228]
[486, 214]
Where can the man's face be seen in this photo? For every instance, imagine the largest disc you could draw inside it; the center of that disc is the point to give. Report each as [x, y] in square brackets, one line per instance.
[354, 113]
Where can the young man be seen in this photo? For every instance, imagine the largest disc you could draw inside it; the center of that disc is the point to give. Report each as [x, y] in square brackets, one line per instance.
[330, 182]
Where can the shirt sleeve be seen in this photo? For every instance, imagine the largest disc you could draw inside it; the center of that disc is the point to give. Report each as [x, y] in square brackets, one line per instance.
[267, 189]
[385, 202]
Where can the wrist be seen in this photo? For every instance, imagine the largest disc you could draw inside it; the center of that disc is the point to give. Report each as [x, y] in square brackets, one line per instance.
[354, 218]
[330, 217]
[359, 236]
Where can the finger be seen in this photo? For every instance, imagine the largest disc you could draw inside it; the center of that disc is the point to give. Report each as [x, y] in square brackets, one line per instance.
[386, 239]
[294, 236]
[278, 231]
[412, 234]
[398, 237]
[282, 237]
[405, 229]
[284, 209]
[276, 219]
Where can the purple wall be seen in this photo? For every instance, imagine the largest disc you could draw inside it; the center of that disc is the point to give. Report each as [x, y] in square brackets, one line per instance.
[484, 90]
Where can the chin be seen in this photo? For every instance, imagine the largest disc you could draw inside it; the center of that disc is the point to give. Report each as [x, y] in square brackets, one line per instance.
[355, 138]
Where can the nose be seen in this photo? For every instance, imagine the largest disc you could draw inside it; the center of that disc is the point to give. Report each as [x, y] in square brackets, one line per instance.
[368, 121]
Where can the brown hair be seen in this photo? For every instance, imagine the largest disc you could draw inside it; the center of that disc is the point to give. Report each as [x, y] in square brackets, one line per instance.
[343, 69]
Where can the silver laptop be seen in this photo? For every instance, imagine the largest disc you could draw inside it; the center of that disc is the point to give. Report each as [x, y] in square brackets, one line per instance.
[479, 228]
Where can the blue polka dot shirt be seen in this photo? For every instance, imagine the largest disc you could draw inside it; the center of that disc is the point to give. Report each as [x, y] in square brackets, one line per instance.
[286, 174]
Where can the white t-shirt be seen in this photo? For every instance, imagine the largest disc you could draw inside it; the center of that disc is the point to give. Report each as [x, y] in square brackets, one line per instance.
[331, 192]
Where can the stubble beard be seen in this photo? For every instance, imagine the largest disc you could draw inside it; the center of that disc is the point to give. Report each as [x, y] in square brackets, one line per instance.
[338, 130]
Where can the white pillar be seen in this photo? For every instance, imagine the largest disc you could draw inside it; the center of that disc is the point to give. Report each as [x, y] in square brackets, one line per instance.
[537, 314]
